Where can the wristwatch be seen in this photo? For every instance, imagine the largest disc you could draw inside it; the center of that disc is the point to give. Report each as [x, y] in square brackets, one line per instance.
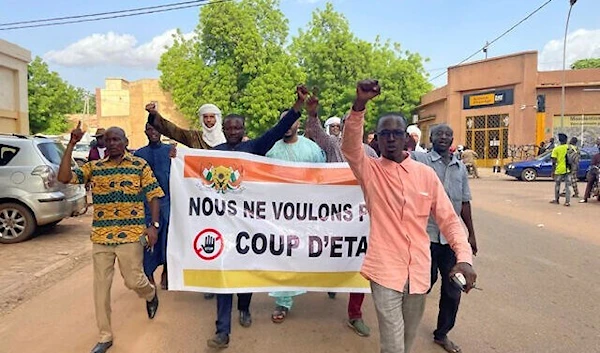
[155, 225]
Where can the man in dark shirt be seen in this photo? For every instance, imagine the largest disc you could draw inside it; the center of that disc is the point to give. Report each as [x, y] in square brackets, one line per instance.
[592, 176]
[234, 130]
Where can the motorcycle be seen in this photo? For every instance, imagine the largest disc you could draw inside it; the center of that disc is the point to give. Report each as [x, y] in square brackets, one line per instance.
[470, 170]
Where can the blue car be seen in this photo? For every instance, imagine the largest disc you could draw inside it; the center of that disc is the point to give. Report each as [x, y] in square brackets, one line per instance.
[541, 166]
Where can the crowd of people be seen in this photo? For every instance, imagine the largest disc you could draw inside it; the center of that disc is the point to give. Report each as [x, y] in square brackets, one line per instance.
[565, 169]
[418, 201]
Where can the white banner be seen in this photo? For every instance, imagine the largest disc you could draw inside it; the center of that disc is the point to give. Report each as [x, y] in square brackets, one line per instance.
[244, 223]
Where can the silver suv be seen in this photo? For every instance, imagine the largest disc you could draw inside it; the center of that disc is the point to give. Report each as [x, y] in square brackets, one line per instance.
[30, 194]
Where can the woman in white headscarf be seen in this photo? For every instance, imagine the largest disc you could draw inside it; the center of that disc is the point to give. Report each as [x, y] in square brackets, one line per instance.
[332, 126]
[415, 134]
[212, 130]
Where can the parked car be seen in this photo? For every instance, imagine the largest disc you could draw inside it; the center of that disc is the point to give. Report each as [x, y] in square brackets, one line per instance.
[30, 194]
[541, 166]
[81, 153]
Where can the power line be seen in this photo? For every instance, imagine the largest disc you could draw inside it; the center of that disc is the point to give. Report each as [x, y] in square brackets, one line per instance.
[99, 13]
[154, 9]
[496, 39]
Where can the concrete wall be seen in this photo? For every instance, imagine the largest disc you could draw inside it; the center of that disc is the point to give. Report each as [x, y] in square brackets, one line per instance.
[122, 104]
[582, 103]
[14, 103]
[517, 72]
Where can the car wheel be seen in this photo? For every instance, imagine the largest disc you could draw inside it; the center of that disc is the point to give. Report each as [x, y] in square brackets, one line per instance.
[529, 174]
[16, 223]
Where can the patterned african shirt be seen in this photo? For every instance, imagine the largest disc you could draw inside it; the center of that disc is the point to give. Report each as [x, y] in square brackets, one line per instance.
[118, 191]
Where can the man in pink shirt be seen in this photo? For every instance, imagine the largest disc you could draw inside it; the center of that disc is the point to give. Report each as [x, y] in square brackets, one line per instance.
[400, 195]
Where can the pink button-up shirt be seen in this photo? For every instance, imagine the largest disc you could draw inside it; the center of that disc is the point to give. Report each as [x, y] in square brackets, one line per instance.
[400, 197]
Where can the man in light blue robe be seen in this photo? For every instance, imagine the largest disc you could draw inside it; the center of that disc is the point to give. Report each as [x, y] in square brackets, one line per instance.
[292, 148]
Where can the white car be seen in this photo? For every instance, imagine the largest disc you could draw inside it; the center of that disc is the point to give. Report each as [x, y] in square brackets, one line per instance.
[30, 194]
[81, 153]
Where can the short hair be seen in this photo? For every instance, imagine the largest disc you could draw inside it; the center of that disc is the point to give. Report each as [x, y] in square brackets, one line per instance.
[234, 116]
[574, 140]
[562, 138]
[438, 127]
[396, 116]
[118, 130]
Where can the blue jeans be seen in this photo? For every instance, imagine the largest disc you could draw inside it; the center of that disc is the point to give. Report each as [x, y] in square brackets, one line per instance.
[224, 304]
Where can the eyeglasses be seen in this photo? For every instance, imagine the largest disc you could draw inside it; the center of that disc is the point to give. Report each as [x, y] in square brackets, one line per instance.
[388, 133]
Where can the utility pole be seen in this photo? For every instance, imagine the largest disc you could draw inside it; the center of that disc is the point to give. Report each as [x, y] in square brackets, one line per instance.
[485, 49]
[564, 64]
[86, 104]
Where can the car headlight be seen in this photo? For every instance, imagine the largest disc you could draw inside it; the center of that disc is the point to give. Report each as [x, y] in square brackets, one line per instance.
[510, 166]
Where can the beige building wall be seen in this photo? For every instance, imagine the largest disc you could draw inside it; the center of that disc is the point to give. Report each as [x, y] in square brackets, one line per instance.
[519, 122]
[14, 103]
[122, 104]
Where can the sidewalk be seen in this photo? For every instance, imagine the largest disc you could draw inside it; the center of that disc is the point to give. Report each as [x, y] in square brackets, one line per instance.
[33, 265]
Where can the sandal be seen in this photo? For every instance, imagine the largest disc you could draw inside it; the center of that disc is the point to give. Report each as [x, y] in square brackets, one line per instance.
[448, 345]
[279, 314]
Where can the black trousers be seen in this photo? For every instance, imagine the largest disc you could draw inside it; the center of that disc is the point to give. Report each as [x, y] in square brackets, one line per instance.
[442, 261]
[224, 306]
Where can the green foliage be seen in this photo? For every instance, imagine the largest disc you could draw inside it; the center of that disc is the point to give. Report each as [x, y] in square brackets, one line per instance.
[50, 99]
[238, 60]
[586, 64]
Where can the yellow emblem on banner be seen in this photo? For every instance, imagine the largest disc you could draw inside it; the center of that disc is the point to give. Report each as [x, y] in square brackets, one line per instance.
[222, 178]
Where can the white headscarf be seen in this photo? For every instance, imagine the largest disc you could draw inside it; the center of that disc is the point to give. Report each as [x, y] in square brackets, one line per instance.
[213, 136]
[414, 129]
[331, 121]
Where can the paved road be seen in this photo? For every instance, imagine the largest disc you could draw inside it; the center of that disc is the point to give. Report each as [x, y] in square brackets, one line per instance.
[538, 264]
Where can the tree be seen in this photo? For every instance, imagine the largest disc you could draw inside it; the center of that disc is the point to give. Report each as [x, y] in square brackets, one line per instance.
[586, 64]
[402, 77]
[50, 99]
[236, 60]
[239, 61]
[335, 60]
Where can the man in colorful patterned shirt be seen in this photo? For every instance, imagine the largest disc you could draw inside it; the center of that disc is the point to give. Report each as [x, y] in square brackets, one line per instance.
[120, 182]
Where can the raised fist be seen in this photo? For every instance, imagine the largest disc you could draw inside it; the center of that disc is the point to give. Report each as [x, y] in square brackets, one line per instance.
[367, 90]
[312, 105]
[151, 108]
[76, 134]
[302, 93]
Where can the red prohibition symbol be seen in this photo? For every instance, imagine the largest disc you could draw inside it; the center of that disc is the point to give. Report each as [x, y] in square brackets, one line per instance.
[208, 244]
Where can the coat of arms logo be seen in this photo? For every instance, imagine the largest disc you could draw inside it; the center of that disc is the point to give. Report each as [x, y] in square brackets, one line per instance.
[222, 179]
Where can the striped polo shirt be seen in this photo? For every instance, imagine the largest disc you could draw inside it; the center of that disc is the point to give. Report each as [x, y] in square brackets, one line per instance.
[118, 191]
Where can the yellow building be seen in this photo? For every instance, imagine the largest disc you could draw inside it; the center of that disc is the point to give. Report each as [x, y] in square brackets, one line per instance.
[14, 104]
[121, 103]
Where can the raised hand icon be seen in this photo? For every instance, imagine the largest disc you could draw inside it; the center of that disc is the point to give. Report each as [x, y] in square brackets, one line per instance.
[209, 244]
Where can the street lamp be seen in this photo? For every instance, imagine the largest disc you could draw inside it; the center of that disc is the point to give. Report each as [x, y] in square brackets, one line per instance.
[564, 72]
